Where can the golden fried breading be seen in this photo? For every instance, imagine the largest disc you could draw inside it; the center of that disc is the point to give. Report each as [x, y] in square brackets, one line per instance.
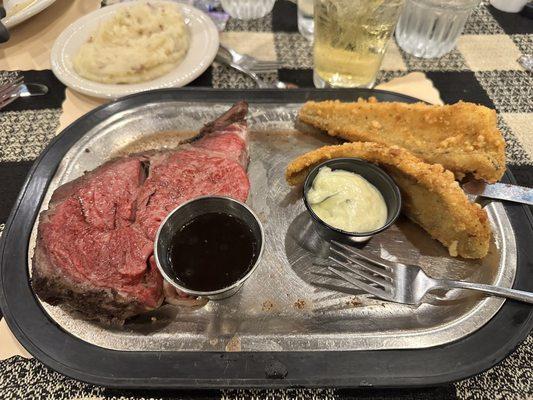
[431, 197]
[462, 137]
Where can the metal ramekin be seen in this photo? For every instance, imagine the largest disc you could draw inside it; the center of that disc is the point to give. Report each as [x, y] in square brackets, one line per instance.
[373, 174]
[186, 212]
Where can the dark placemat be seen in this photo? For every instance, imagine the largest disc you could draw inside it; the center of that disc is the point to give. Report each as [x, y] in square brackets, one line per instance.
[498, 82]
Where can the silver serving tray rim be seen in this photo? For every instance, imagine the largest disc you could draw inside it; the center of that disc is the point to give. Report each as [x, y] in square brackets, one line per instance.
[263, 117]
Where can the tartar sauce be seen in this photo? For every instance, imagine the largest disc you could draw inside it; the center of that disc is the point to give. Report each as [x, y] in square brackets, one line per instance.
[347, 201]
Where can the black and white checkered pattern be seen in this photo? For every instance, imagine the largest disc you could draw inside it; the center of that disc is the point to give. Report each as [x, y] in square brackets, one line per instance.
[482, 69]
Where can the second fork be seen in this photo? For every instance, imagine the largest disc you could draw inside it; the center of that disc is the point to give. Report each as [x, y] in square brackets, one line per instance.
[402, 283]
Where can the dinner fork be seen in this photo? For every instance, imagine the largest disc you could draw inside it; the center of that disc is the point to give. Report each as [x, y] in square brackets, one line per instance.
[221, 58]
[401, 283]
[251, 63]
[10, 91]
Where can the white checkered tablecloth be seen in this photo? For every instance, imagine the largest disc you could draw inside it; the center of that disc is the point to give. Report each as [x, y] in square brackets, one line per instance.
[483, 68]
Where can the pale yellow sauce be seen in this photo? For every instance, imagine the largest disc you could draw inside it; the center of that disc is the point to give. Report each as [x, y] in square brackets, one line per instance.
[347, 201]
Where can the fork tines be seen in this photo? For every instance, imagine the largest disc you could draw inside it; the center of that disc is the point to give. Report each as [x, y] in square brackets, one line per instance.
[10, 91]
[373, 276]
[250, 62]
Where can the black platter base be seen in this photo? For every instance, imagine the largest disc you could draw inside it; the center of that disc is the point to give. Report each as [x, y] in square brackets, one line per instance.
[385, 368]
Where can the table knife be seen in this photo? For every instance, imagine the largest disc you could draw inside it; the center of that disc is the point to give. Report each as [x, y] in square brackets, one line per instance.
[32, 89]
[500, 191]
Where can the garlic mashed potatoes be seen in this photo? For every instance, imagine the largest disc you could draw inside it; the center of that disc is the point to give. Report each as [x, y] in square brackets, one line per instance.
[137, 44]
[347, 201]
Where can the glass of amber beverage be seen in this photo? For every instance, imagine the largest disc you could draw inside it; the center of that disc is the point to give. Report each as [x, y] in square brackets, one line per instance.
[351, 37]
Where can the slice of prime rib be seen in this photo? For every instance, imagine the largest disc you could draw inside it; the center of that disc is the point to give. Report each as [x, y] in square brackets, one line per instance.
[95, 242]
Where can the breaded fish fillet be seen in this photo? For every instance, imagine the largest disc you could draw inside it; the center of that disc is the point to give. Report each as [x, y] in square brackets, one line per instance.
[431, 196]
[463, 137]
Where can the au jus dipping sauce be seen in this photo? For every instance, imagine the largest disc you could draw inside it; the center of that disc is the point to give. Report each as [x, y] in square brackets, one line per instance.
[212, 251]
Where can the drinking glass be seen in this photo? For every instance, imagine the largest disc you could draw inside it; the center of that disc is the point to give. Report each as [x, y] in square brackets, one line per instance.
[247, 9]
[207, 5]
[351, 37]
[306, 23]
[430, 28]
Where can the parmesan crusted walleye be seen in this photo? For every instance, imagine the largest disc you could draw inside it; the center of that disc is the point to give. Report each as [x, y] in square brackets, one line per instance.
[431, 196]
[462, 137]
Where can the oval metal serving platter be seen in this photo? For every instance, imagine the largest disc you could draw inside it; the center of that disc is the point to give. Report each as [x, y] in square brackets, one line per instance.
[284, 328]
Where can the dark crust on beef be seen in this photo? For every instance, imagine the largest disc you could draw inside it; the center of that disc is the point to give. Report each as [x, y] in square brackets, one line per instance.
[92, 303]
[104, 305]
[64, 191]
[237, 113]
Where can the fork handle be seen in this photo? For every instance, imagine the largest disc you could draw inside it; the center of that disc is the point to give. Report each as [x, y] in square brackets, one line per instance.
[514, 294]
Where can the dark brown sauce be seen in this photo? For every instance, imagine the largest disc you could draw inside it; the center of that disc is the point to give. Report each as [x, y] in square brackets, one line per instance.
[212, 251]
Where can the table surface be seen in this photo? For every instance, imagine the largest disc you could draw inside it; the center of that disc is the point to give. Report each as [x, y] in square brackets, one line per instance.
[482, 68]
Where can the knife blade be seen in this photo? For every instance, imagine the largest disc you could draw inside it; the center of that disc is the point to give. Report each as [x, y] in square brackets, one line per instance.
[32, 89]
[500, 191]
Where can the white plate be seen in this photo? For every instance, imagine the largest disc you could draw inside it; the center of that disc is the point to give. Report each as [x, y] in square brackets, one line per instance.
[34, 8]
[202, 51]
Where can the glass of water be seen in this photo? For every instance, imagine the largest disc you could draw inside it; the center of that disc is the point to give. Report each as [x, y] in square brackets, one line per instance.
[247, 9]
[430, 28]
[306, 24]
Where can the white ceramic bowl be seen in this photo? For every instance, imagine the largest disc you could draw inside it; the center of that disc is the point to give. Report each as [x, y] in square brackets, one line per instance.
[34, 8]
[202, 51]
[509, 6]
